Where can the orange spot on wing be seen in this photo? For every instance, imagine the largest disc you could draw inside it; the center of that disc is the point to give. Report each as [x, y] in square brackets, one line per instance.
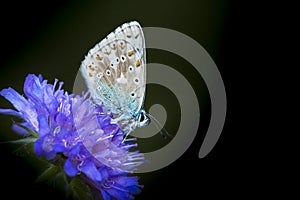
[130, 53]
[114, 47]
[107, 52]
[138, 63]
[98, 57]
[122, 45]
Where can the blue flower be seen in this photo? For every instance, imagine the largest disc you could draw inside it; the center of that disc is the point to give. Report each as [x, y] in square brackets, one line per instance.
[76, 128]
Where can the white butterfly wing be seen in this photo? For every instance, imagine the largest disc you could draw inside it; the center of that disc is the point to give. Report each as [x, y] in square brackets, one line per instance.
[115, 70]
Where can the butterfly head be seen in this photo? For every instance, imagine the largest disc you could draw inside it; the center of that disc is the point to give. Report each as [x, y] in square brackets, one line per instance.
[142, 118]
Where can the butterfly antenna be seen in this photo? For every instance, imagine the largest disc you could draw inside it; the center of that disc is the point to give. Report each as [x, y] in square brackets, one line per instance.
[163, 132]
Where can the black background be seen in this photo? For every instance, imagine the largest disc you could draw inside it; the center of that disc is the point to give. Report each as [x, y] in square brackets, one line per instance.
[52, 38]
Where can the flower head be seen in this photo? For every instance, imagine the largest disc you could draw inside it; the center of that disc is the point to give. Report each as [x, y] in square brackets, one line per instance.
[76, 128]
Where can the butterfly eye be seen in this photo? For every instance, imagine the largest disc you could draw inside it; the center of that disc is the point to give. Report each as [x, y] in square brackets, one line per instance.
[117, 59]
[123, 58]
[142, 117]
[108, 72]
[130, 68]
[136, 80]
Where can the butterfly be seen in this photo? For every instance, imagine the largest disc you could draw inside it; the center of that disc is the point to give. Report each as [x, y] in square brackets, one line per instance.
[115, 74]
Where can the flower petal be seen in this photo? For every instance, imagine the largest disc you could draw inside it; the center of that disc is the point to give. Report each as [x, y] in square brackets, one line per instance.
[74, 151]
[43, 125]
[126, 181]
[91, 171]
[38, 149]
[70, 169]
[10, 112]
[34, 90]
[20, 130]
[105, 195]
[134, 189]
[19, 102]
[50, 155]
